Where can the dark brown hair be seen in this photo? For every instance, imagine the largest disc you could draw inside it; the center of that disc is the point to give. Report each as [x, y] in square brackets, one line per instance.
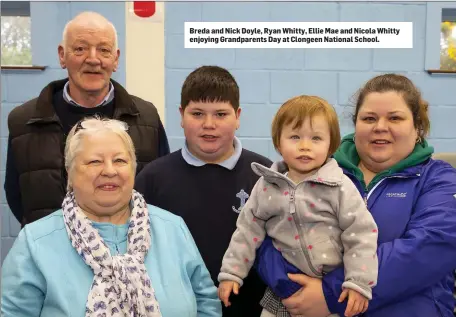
[210, 84]
[296, 110]
[410, 93]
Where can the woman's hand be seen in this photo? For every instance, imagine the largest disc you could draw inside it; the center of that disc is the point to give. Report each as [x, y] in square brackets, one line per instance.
[309, 301]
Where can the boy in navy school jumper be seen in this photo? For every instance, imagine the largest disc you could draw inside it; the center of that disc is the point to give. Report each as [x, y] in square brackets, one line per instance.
[208, 181]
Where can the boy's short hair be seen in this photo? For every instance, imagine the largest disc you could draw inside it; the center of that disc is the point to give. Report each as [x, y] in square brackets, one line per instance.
[297, 109]
[210, 84]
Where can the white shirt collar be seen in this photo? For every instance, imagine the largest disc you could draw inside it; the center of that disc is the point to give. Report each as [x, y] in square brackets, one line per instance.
[229, 163]
[109, 97]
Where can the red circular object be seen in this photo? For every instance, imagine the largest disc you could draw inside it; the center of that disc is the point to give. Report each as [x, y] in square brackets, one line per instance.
[144, 9]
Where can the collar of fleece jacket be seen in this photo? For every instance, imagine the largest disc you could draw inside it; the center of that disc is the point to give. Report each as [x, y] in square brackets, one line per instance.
[329, 173]
[348, 158]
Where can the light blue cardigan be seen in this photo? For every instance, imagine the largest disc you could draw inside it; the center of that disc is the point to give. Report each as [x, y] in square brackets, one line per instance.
[43, 275]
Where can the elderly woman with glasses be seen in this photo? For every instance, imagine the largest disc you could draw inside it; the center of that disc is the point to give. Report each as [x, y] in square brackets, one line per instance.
[106, 252]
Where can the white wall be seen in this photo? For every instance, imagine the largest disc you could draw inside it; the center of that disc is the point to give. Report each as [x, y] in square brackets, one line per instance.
[145, 56]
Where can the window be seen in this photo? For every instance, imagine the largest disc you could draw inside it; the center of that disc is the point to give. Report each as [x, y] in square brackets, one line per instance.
[440, 38]
[448, 40]
[15, 33]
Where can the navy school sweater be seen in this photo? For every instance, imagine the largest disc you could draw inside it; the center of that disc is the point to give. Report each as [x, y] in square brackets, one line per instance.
[209, 199]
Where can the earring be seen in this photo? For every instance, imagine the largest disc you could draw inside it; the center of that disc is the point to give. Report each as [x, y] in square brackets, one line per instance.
[353, 138]
[418, 140]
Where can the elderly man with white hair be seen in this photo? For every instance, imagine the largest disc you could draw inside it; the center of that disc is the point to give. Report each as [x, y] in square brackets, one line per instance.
[36, 179]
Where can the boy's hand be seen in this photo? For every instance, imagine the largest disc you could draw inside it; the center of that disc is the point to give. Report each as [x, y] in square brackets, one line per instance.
[357, 303]
[224, 291]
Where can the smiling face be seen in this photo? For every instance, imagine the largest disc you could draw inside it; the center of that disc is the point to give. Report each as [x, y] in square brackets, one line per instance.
[102, 175]
[209, 129]
[90, 55]
[385, 131]
[305, 149]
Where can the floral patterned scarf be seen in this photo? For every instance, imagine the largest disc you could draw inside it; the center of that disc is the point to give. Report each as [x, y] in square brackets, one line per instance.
[121, 285]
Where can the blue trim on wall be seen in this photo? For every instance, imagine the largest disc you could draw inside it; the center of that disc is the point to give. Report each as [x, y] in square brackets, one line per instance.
[15, 8]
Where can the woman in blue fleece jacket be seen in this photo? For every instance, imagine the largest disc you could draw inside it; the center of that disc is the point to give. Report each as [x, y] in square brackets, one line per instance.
[413, 201]
[106, 252]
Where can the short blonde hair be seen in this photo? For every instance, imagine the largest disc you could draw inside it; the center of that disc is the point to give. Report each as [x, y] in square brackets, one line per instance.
[92, 126]
[297, 109]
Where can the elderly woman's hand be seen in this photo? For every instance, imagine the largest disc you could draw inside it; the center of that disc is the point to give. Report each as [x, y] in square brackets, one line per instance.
[309, 301]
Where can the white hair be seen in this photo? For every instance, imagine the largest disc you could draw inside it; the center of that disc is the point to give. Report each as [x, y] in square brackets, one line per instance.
[93, 19]
[92, 126]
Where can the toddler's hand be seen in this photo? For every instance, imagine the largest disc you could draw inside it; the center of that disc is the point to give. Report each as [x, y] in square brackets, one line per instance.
[224, 291]
[357, 303]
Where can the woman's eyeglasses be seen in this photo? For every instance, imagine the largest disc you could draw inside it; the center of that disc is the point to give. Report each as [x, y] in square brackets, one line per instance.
[96, 123]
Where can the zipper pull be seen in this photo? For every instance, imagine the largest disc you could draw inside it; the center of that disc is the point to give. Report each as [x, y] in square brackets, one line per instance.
[292, 196]
[365, 199]
[117, 249]
[292, 203]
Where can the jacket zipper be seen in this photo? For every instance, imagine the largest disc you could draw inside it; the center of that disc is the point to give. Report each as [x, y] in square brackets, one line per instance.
[302, 239]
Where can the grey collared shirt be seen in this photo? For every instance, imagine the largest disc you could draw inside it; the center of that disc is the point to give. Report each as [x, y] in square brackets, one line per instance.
[109, 97]
[229, 163]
